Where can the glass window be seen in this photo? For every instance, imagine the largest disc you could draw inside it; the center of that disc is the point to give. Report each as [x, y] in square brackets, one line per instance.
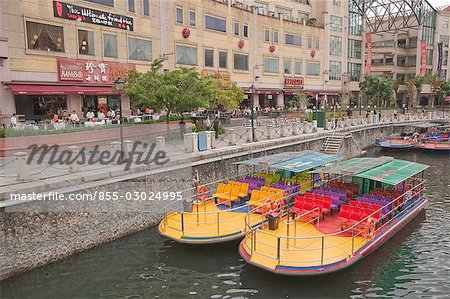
[335, 45]
[186, 55]
[245, 30]
[209, 58]
[445, 58]
[223, 59]
[445, 22]
[271, 65]
[303, 15]
[302, 1]
[444, 40]
[139, 49]
[309, 42]
[236, 28]
[266, 35]
[354, 48]
[262, 8]
[317, 43]
[216, 24]
[275, 36]
[295, 40]
[45, 37]
[354, 19]
[179, 15]
[103, 2]
[335, 70]
[413, 42]
[429, 56]
[86, 42]
[313, 68]
[192, 18]
[110, 45]
[287, 66]
[298, 67]
[336, 23]
[354, 71]
[240, 62]
[285, 13]
[146, 7]
[337, 2]
[131, 6]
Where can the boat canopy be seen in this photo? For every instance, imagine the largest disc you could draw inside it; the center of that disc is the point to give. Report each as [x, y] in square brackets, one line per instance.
[393, 172]
[308, 160]
[272, 159]
[353, 166]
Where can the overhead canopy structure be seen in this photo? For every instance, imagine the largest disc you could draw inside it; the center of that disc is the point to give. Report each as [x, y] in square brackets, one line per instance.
[393, 172]
[307, 161]
[272, 159]
[353, 166]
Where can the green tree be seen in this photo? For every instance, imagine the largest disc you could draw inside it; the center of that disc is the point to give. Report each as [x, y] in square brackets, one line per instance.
[436, 85]
[225, 95]
[417, 82]
[299, 100]
[377, 90]
[395, 86]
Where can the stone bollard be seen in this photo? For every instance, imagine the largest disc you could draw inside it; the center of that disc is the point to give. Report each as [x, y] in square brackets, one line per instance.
[269, 132]
[190, 142]
[249, 134]
[115, 146]
[283, 132]
[295, 128]
[74, 166]
[232, 137]
[160, 143]
[23, 171]
[127, 147]
[209, 136]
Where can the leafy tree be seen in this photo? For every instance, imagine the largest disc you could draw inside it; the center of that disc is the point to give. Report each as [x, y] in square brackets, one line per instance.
[395, 86]
[299, 100]
[417, 82]
[436, 85]
[411, 89]
[377, 90]
[225, 95]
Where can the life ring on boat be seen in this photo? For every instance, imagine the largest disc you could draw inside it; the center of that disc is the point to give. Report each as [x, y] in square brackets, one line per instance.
[202, 193]
[269, 207]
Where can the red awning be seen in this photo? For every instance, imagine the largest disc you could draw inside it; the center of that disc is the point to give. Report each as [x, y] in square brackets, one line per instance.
[35, 89]
[264, 90]
[322, 92]
[293, 91]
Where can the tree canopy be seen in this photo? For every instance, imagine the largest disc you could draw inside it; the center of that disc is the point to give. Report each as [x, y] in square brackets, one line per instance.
[377, 90]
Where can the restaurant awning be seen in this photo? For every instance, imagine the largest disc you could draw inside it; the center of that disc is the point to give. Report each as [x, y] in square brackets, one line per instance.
[264, 90]
[56, 89]
[292, 91]
[313, 93]
[393, 172]
[307, 161]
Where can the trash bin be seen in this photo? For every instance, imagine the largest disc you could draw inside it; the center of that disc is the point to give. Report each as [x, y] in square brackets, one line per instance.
[273, 222]
[187, 206]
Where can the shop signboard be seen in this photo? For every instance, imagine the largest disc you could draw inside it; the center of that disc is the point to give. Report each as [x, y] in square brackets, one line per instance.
[293, 82]
[91, 71]
[88, 15]
[224, 77]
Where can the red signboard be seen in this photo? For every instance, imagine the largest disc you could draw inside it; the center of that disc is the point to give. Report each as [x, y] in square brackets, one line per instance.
[423, 58]
[291, 82]
[369, 53]
[91, 71]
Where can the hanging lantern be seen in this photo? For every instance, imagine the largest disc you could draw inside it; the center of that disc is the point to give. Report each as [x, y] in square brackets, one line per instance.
[272, 48]
[186, 32]
[241, 43]
[313, 53]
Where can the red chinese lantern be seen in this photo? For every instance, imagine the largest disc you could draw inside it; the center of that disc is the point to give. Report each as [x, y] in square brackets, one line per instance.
[186, 32]
[313, 53]
[241, 43]
[272, 48]
[58, 9]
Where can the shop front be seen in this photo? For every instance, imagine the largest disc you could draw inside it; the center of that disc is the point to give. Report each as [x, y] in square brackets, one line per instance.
[292, 86]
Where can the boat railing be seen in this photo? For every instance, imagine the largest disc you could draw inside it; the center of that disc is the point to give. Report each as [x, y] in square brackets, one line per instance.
[341, 245]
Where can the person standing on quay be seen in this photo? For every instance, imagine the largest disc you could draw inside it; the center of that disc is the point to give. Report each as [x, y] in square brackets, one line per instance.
[216, 127]
[208, 124]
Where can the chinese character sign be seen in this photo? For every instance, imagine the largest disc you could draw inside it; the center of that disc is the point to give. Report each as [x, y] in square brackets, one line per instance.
[423, 58]
[368, 53]
[91, 71]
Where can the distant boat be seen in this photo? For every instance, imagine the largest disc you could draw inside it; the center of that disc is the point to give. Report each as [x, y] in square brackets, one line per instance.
[434, 147]
[396, 143]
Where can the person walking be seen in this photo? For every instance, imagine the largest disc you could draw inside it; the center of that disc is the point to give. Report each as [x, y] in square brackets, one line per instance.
[182, 126]
[208, 124]
[216, 127]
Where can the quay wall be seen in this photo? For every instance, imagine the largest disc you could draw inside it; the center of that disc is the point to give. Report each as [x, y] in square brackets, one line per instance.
[33, 237]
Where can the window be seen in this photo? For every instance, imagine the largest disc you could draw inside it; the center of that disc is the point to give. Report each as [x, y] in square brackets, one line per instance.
[295, 40]
[285, 13]
[354, 71]
[223, 59]
[139, 49]
[240, 62]
[287, 66]
[302, 1]
[298, 67]
[131, 6]
[444, 74]
[354, 19]
[444, 40]
[110, 45]
[444, 23]
[179, 15]
[216, 24]
[354, 48]
[86, 42]
[445, 58]
[335, 70]
[429, 56]
[266, 35]
[335, 45]
[337, 2]
[275, 36]
[209, 58]
[313, 68]
[192, 18]
[336, 23]
[186, 55]
[103, 2]
[309, 42]
[45, 37]
[271, 65]
[317, 43]
[146, 7]
[303, 15]
[236, 28]
[262, 8]
[245, 30]
[413, 42]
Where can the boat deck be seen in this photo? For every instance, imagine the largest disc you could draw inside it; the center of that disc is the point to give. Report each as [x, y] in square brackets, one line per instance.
[208, 223]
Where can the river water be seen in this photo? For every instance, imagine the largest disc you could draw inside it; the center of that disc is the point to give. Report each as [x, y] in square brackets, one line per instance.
[413, 264]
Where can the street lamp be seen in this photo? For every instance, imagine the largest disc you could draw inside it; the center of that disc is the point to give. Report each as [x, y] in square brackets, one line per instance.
[252, 90]
[119, 86]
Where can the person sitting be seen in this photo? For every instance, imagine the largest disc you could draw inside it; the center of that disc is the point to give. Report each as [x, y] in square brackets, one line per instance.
[55, 117]
[111, 114]
[100, 115]
[74, 117]
[90, 115]
[13, 121]
[147, 111]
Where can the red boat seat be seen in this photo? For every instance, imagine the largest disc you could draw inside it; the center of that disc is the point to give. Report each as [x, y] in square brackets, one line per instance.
[354, 203]
[344, 213]
[355, 215]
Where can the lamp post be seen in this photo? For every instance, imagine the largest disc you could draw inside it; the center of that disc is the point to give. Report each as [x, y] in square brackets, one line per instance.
[119, 85]
[252, 90]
